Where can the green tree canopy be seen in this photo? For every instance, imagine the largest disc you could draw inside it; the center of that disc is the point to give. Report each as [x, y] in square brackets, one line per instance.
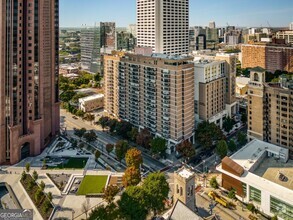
[158, 145]
[90, 136]
[157, 189]
[186, 149]
[110, 192]
[228, 124]
[232, 145]
[144, 138]
[222, 149]
[214, 183]
[121, 148]
[131, 176]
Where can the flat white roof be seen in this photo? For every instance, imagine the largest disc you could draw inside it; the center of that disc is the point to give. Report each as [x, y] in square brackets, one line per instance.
[246, 157]
[185, 173]
[242, 81]
[92, 97]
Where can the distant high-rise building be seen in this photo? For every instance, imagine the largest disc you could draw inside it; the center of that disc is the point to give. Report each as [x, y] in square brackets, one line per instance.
[233, 37]
[270, 56]
[154, 92]
[29, 95]
[291, 26]
[90, 45]
[125, 41]
[132, 28]
[212, 25]
[201, 42]
[212, 35]
[270, 109]
[108, 36]
[163, 25]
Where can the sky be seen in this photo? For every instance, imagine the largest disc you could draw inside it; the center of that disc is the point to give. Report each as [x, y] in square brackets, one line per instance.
[244, 13]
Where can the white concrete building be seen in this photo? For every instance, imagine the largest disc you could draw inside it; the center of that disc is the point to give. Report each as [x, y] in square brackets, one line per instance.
[163, 25]
[91, 103]
[291, 26]
[261, 174]
[287, 35]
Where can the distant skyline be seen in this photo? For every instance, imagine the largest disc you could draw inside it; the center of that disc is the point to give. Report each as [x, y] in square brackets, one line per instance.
[245, 13]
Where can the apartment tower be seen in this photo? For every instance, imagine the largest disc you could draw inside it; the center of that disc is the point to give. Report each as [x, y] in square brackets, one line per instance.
[29, 116]
[154, 92]
[163, 25]
[270, 110]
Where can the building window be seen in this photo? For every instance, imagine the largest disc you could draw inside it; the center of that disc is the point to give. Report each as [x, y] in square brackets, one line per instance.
[280, 208]
[255, 195]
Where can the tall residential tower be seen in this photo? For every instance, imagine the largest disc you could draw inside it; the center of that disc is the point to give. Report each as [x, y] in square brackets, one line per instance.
[29, 116]
[163, 25]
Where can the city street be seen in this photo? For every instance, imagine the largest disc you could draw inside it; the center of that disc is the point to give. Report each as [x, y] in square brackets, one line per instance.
[68, 123]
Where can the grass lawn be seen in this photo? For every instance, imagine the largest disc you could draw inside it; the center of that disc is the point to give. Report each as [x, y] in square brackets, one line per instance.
[92, 185]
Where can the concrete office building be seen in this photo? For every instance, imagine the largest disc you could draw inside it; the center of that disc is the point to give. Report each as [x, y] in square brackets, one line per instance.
[201, 42]
[108, 36]
[254, 37]
[261, 174]
[210, 91]
[163, 25]
[90, 45]
[29, 102]
[233, 37]
[154, 92]
[270, 56]
[270, 109]
[286, 35]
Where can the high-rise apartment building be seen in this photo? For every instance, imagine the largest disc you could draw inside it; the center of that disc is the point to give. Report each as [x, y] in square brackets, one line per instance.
[154, 92]
[210, 91]
[29, 116]
[270, 56]
[108, 36]
[163, 25]
[90, 45]
[233, 37]
[270, 109]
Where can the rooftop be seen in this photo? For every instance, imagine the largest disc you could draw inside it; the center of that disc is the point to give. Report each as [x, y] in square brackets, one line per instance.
[93, 97]
[260, 172]
[182, 212]
[185, 173]
[207, 62]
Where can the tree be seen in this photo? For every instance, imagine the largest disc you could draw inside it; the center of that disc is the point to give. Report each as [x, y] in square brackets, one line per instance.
[121, 148]
[42, 186]
[46, 206]
[23, 176]
[50, 196]
[89, 117]
[232, 194]
[131, 176]
[274, 217]
[112, 125]
[27, 167]
[241, 138]
[222, 149]
[97, 155]
[66, 96]
[144, 138]
[38, 195]
[44, 163]
[123, 128]
[103, 121]
[81, 145]
[79, 132]
[214, 183]
[85, 207]
[232, 145]
[133, 158]
[133, 134]
[228, 124]
[132, 204]
[80, 113]
[251, 208]
[207, 133]
[157, 189]
[244, 118]
[90, 136]
[186, 149]
[109, 148]
[110, 212]
[158, 145]
[110, 192]
[35, 175]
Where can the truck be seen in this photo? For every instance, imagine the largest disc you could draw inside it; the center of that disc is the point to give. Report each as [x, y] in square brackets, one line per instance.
[213, 195]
